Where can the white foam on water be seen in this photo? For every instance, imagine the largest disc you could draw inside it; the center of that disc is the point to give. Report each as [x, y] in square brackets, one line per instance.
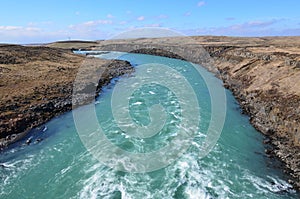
[13, 170]
[187, 173]
[137, 103]
[45, 129]
[271, 184]
[196, 193]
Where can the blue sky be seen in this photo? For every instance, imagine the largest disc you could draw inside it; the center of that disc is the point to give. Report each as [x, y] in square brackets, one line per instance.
[32, 21]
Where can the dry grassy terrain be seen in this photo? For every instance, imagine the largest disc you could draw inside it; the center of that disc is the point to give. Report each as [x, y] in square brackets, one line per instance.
[36, 84]
[73, 44]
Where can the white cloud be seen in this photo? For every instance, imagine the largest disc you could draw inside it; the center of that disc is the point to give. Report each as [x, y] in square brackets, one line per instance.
[201, 3]
[162, 16]
[230, 18]
[25, 34]
[123, 22]
[97, 22]
[110, 16]
[250, 28]
[90, 30]
[88, 25]
[153, 25]
[10, 28]
[32, 29]
[40, 24]
[141, 18]
[251, 25]
[260, 23]
[187, 14]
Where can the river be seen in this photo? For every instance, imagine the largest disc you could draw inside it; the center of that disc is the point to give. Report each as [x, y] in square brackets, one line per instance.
[60, 166]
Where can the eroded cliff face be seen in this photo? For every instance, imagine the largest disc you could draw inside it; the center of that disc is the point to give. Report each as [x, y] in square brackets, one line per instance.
[266, 84]
[262, 73]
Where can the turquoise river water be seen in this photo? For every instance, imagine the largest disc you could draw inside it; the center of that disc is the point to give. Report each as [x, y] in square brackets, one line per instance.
[61, 167]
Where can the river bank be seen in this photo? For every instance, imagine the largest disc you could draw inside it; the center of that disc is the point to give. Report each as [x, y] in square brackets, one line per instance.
[36, 85]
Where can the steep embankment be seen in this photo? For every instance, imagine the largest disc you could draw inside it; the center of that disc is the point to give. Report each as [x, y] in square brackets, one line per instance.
[266, 86]
[36, 84]
[263, 74]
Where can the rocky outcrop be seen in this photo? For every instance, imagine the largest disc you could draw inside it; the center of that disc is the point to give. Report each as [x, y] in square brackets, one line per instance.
[158, 52]
[263, 84]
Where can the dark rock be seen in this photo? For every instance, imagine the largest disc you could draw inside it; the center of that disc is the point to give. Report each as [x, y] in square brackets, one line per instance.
[29, 140]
